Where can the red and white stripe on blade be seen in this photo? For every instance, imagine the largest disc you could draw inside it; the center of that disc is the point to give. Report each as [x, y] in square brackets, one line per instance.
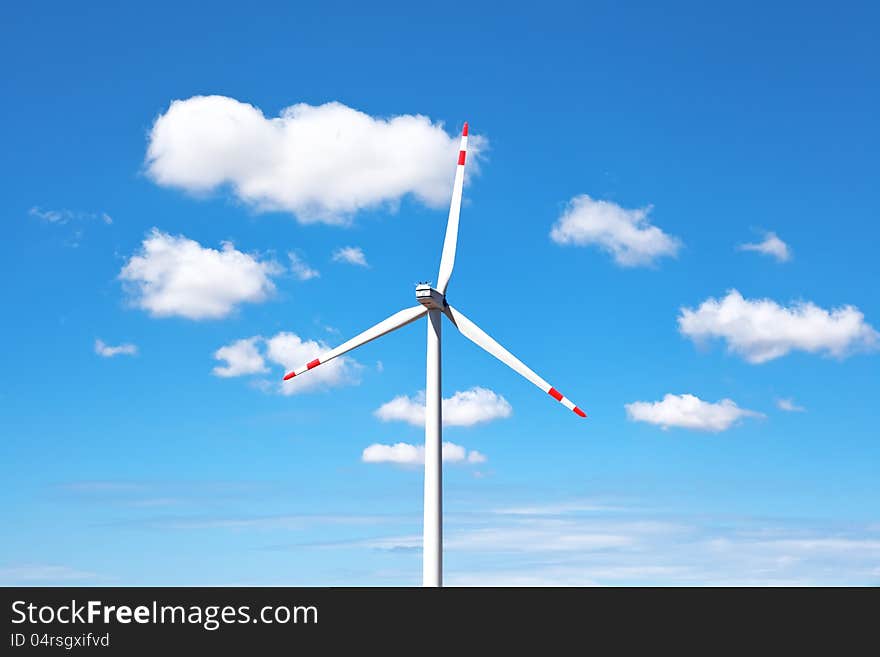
[396, 321]
[476, 335]
[447, 259]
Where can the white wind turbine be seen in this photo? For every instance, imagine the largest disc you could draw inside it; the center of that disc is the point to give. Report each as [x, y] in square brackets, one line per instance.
[432, 302]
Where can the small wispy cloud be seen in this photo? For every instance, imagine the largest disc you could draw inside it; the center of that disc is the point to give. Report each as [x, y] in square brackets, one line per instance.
[273, 522]
[558, 508]
[787, 404]
[109, 351]
[156, 494]
[301, 269]
[73, 221]
[352, 255]
[771, 246]
[64, 216]
[42, 574]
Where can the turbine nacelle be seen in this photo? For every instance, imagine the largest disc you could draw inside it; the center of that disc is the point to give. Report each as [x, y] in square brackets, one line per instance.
[430, 298]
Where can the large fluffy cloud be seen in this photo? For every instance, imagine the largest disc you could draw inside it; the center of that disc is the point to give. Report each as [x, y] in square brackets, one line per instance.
[464, 408]
[406, 454]
[688, 412]
[174, 275]
[627, 235]
[760, 329]
[321, 163]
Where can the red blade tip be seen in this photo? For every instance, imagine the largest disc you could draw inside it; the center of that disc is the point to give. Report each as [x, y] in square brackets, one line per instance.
[289, 375]
[464, 130]
[579, 412]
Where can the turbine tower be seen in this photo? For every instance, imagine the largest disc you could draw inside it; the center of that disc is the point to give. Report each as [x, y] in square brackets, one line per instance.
[432, 302]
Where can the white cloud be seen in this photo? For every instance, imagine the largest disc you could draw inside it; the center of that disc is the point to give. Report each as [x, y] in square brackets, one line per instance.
[688, 412]
[75, 221]
[404, 408]
[108, 351]
[789, 406]
[50, 216]
[301, 269]
[626, 234]
[533, 537]
[474, 406]
[291, 351]
[63, 216]
[406, 454]
[42, 573]
[771, 246]
[322, 163]
[242, 357]
[464, 408]
[637, 546]
[474, 456]
[353, 255]
[250, 356]
[174, 275]
[760, 330]
[557, 508]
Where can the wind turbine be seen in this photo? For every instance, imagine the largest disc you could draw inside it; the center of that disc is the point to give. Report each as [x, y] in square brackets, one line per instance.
[432, 302]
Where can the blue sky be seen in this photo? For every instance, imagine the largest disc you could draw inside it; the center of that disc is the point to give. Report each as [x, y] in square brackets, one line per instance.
[657, 141]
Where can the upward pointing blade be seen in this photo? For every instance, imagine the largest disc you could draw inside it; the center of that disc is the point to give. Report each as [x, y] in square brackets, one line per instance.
[476, 335]
[394, 322]
[447, 259]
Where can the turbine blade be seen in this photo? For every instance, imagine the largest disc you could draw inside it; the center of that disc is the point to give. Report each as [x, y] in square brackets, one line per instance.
[476, 335]
[447, 259]
[393, 323]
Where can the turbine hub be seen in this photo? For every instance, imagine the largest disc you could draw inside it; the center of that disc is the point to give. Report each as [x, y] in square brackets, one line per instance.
[429, 297]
